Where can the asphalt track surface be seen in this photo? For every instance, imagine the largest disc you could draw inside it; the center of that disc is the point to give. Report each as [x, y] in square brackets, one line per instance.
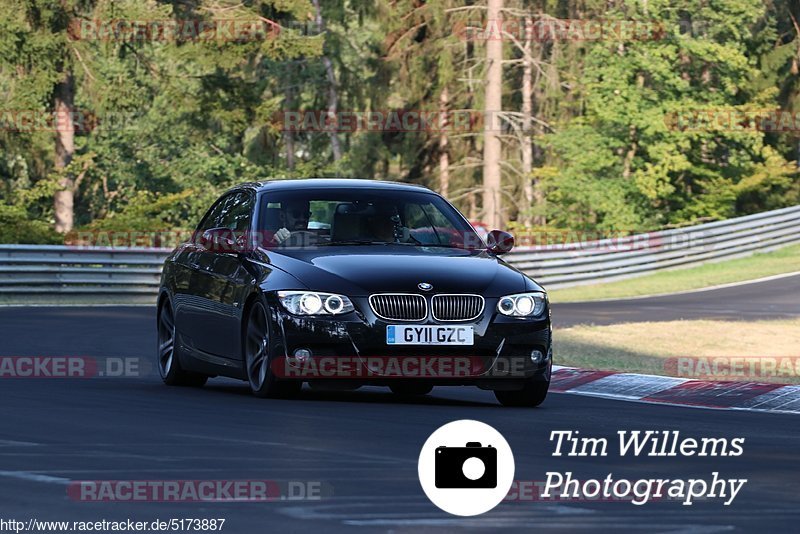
[771, 299]
[363, 446]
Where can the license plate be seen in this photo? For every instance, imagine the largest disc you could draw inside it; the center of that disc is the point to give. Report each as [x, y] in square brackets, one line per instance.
[429, 335]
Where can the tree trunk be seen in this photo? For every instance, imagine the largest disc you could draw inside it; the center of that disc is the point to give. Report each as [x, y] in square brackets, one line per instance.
[65, 147]
[288, 134]
[540, 107]
[444, 156]
[492, 148]
[473, 206]
[333, 96]
[527, 121]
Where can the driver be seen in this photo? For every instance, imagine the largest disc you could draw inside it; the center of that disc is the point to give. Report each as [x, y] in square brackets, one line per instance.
[294, 215]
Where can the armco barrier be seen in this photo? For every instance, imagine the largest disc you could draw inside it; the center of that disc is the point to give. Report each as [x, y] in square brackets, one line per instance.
[37, 273]
[591, 262]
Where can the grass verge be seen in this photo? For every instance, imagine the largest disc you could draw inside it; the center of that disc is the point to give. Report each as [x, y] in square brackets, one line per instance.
[760, 351]
[758, 265]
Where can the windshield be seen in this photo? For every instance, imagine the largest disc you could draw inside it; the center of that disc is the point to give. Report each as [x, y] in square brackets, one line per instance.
[325, 217]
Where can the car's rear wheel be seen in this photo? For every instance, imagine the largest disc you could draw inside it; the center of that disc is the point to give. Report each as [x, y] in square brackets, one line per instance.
[530, 396]
[411, 389]
[257, 348]
[169, 361]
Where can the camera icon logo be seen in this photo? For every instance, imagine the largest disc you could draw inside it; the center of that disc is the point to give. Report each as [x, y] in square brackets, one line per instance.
[472, 466]
[466, 467]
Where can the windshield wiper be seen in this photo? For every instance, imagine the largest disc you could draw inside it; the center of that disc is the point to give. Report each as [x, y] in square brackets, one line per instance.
[416, 241]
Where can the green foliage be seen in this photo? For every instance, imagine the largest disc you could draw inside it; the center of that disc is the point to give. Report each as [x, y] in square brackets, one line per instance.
[148, 211]
[624, 163]
[20, 221]
[175, 122]
[17, 227]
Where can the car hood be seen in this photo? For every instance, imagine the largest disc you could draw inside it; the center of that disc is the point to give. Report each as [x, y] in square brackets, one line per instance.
[364, 270]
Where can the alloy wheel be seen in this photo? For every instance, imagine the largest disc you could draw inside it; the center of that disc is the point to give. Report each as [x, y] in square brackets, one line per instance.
[257, 347]
[166, 339]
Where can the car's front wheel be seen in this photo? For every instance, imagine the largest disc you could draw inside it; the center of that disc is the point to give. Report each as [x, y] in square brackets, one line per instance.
[169, 361]
[530, 396]
[257, 348]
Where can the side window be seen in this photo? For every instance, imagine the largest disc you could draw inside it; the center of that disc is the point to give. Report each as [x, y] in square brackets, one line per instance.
[212, 216]
[231, 211]
[236, 212]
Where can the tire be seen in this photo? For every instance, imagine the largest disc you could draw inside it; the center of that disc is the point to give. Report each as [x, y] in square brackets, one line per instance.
[168, 355]
[257, 357]
[411, 389]
[532, 395]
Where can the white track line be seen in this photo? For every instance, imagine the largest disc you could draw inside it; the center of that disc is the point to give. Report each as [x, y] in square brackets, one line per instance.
[688, 291]
[34, 477]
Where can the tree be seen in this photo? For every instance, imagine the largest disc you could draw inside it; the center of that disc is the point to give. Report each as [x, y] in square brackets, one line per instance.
[624, 163]
[600, 134]
[333, 93]
[34, 45]
[492, 106]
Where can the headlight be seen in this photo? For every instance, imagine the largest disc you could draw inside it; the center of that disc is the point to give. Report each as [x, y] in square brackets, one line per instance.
[314, 303]
[523, 305]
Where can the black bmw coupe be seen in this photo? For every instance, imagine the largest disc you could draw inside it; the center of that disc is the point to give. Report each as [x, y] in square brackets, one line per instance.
[344, 283]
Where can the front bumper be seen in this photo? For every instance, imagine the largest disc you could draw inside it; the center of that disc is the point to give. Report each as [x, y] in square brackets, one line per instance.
[355, 343]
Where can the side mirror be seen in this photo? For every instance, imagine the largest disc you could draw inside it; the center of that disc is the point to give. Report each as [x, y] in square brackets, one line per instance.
[224, 240]
[499, 242]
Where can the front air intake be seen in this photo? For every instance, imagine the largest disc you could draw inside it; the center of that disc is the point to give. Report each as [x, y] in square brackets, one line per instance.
[399, 306]
[457, 307]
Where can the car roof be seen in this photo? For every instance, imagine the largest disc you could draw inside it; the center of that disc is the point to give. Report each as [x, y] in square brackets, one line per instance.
[330, 183]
